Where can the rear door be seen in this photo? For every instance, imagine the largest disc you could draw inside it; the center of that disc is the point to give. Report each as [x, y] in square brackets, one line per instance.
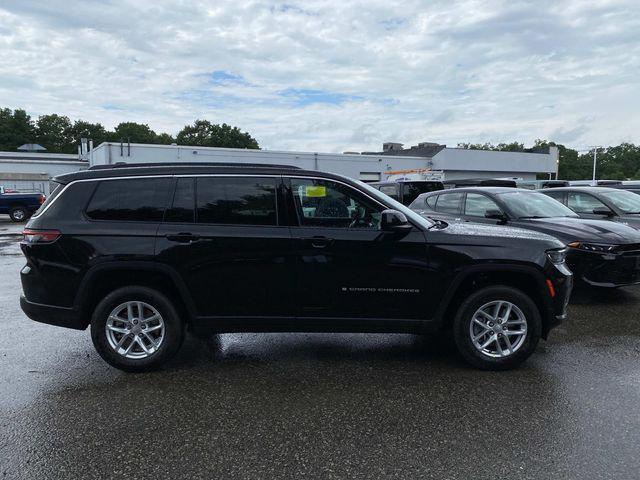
[225, 237]
[448, 206]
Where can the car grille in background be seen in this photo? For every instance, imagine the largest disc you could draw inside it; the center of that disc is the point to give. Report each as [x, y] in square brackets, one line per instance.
[631, 248]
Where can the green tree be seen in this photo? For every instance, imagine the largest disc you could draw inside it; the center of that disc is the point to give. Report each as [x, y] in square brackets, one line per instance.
[164, 139]
[16, 128]
[82, 129]
[52, 132]
[205, 134]
[133, 132]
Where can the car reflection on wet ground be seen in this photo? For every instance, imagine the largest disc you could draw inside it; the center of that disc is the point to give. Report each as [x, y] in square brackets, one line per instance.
[322, 405]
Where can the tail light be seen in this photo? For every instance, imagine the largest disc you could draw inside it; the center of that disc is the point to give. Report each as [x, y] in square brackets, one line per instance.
[40, 236]
[42, 199]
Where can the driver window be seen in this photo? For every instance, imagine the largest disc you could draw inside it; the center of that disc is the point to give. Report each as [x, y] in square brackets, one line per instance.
[477, 205]
[583, 202]
[322, 203]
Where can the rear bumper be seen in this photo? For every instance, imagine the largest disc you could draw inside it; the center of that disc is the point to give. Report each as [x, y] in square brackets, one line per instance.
[52, 315]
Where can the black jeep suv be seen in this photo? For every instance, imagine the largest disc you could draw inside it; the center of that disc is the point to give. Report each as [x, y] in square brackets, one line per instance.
[143, 253]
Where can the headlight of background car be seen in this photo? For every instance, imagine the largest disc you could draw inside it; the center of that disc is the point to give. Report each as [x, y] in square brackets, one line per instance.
[557, 257]
[593, 247]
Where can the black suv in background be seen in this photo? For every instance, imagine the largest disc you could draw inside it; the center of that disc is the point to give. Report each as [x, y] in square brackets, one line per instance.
[602, 254]
[600, 203]
[406, 191]
[142, 253]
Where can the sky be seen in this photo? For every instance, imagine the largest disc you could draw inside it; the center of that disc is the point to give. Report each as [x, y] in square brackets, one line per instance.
[333, 75]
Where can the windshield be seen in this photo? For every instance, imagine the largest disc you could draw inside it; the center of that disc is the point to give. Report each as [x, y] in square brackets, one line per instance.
[410, 214]
[534, 205]
[626, 202]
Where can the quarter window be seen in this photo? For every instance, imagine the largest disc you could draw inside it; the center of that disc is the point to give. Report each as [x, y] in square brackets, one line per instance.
[322, 203]
[449, 203]
[236, 200]
[139, 200]
[477, 205]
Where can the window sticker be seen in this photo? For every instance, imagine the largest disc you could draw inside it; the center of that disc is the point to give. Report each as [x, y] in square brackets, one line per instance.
[315, 191]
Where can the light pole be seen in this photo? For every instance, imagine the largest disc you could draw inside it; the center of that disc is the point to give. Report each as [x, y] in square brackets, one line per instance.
[595, 158]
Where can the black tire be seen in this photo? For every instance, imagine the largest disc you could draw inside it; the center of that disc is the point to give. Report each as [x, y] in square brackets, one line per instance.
[173, 334]
[19, 214]
[464, 317]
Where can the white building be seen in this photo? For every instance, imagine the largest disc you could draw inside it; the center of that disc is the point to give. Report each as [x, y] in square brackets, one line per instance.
[455, 163]
[31, 172]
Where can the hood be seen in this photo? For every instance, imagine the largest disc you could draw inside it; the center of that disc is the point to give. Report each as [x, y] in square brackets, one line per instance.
[570, 229]
[630, 219]
[479, 234]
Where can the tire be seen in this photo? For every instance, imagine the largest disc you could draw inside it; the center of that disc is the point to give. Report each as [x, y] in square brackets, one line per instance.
[141, 357]
[522, 309]
[18, 214]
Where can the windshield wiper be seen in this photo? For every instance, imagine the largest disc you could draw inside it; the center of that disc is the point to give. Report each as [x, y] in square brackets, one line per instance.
[533, 216]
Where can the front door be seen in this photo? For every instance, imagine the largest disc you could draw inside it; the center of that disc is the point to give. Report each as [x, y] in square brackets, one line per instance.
[346, 266]
[584, 203]
[225, 238]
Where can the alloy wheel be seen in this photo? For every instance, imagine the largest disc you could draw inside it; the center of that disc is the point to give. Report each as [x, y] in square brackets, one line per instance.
[135, 330]
[498, 329]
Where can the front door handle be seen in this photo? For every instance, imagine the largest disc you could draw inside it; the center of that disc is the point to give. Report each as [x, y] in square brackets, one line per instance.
[182, 237]
[320, 242]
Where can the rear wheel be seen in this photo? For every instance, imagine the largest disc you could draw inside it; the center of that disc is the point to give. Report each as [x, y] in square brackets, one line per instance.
[18, 214]
[136, 329]
[497, 328]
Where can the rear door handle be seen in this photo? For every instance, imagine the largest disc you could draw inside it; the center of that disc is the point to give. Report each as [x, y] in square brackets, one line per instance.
[182, 237]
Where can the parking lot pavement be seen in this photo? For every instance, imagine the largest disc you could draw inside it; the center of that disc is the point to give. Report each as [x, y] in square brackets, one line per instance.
[9, 228]
[322, 406]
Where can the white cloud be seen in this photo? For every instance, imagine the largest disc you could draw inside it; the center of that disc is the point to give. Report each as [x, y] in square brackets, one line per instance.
[330, 75]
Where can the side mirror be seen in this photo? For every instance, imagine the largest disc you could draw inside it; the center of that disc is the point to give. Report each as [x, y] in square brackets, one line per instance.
[604, 211]
[495, 215]
[394, 221]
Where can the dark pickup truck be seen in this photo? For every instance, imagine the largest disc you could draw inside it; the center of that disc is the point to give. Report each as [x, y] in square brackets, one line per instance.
[19, 206]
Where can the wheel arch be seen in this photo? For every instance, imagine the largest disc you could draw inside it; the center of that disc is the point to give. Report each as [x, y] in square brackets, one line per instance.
[102, 279]
[525, 278]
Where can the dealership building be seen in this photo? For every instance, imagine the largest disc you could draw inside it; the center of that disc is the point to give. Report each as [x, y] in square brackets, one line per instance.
[450, 163]
[31, 171]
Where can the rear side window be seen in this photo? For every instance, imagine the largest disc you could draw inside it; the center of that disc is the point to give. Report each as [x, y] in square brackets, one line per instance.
[559, 196]
[236, 200]
[184, 200]
[449, 203]
[137, 200]
[431, 202]
[390, 190]
[413, 189]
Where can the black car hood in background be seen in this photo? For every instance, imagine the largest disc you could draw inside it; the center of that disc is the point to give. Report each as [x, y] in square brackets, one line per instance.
[633, 220]
[570, 229]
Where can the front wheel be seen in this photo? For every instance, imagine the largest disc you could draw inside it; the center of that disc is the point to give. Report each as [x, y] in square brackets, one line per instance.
[497, 328]
[136, 329]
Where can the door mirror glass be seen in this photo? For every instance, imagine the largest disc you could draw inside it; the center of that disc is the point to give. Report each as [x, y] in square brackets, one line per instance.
[606, 211]
[394, 221]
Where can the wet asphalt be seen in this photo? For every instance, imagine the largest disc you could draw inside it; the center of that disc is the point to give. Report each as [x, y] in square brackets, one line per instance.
[262, 406]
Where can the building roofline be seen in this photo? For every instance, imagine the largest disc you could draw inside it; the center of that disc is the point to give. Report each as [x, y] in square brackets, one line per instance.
[235, 150]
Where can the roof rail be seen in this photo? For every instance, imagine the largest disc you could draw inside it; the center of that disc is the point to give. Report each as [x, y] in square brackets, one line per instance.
[191, 164]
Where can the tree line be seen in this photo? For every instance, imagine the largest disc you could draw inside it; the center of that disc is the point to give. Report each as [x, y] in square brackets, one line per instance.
[58, 134]
[621, 162]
